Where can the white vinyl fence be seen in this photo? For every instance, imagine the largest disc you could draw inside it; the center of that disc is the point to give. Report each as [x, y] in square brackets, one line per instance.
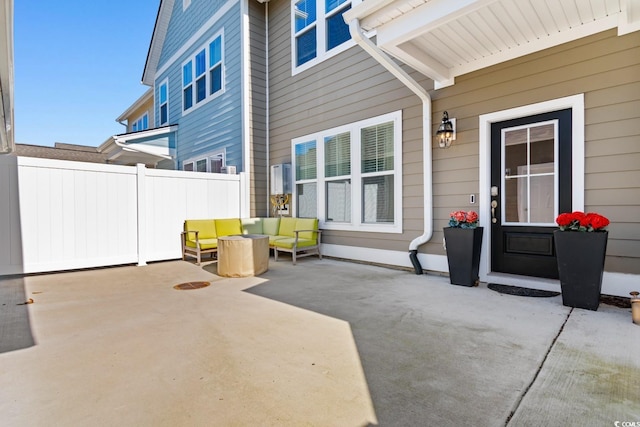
[60, 215]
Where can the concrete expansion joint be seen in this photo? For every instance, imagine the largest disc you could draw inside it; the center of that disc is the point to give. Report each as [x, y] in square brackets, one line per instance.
[540, 366]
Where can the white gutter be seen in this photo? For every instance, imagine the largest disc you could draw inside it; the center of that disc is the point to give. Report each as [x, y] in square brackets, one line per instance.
[384, 60]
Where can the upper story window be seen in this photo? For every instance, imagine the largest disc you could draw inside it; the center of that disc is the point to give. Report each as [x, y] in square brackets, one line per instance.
[187, 86]
[163, 101]
[141, 124]
[351, 177]
[203, 75]
[318, 30]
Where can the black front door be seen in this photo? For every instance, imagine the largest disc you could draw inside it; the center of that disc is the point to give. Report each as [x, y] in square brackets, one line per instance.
[530, 186]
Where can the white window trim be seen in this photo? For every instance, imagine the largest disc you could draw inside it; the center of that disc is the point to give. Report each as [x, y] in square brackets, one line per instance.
[208, 156]
[160, 123]
[185, 4]
[576, 103]
[209, 97]
[321, 54]
[356, 223]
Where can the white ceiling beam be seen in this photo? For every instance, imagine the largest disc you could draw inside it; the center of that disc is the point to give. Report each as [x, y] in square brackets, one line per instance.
[419, 60]
[426, 18]
[629, 17]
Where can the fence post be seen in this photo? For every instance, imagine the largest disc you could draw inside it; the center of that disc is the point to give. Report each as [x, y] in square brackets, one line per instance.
[244, 192]
[141, 174]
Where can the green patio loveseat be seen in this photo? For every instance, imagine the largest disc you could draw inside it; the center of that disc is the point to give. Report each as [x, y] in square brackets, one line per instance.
[298, 236]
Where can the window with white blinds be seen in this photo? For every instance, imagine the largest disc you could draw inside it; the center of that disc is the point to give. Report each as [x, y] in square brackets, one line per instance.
[306, 160]
[306, 173]
[350, 177]
[337, 165]
[337, 155]
[377, 173]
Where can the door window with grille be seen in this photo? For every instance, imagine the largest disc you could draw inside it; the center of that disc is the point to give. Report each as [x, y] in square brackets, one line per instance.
[530, 174]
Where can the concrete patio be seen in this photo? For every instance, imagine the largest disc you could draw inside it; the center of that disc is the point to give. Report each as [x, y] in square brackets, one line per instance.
[322, 343]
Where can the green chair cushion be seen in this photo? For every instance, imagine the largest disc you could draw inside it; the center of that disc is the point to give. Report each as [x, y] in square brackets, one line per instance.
[287, 243]
[287, 226]
[206, 228]
[228, 227]
[204, 243]
[252, 226]
[307, 224]
[274, 238]
[270, 226]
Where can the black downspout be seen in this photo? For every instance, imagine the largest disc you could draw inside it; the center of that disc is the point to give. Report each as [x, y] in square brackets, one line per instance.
[413, 256]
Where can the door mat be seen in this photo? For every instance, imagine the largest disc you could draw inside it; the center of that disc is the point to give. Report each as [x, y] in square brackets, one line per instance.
[191, 285]
[522, 292]
[621, 302]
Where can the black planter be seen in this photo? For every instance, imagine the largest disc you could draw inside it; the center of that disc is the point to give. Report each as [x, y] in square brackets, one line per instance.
[463, 254]
[580, 266]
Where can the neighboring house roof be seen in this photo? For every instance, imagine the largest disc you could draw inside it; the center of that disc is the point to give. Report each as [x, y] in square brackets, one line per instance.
[7, 142]
[78, 153]
[443, 39]
[157, 41]
[139, 103]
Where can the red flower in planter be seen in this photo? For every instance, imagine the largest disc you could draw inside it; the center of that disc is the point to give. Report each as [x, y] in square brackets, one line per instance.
[579, 221]
[597, 221]
[564, 219]
[462, 219]
[472, 217]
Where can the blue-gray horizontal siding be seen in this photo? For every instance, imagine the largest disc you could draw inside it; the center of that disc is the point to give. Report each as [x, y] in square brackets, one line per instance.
[217, 124]
[184, 24]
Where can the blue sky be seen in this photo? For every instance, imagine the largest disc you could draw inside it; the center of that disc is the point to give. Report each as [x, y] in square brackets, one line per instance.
[78, 66]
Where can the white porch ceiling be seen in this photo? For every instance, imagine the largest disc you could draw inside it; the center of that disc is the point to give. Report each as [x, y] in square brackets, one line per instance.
[444, 39]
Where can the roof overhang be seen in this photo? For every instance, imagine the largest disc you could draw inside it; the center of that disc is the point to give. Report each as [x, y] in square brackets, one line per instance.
[444, 39]
[148, 146]
[157, 41]
[7, 141]
[139, 103]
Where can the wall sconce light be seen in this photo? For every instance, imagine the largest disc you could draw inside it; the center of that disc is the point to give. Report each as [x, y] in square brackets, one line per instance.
[446, 131]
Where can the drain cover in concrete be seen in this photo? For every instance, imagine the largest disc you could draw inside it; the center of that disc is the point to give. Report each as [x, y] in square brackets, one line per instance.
[191, 285]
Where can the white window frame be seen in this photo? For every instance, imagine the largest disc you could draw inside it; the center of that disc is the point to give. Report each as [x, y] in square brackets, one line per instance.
[185, 4]
[165, 83]
[356, 176]
[322, 53]
[207, 158]
[137, 124]
[192, 59]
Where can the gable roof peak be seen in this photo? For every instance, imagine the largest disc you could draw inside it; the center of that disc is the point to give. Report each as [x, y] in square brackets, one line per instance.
[157, 41]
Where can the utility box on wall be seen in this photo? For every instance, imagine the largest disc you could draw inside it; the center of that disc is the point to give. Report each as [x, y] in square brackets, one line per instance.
[231, 170]
[281, 178]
